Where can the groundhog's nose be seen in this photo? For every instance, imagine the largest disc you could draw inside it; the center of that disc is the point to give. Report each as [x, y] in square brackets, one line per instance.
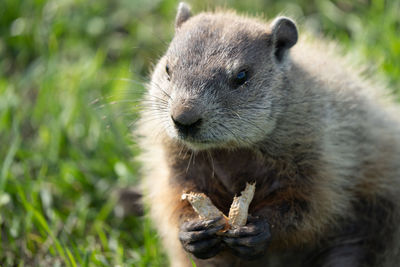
[186, 119]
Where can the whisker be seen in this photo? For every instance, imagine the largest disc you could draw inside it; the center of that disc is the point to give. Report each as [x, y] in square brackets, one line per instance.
[147, 120]
[212, 163]
[160, 88]
[233, 134]
[191, 155]
[182, 147]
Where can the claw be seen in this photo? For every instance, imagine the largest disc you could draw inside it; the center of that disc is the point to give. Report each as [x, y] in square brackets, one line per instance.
[198, 225]
[211, 252]
[191, 236]
[250, 241]
[200, 237]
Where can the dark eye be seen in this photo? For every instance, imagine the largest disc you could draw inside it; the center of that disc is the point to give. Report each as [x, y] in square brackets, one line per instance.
[241, 78]
[167, 71]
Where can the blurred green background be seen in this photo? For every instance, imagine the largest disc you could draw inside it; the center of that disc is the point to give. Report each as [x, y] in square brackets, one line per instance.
[71, 72]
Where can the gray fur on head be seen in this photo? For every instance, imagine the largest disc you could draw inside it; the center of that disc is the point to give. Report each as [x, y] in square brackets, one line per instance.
[200, 67]
[284, 32]
[183, 14]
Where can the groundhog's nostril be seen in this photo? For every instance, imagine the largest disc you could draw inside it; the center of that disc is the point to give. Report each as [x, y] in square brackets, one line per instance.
[187, 122]
[186, 119]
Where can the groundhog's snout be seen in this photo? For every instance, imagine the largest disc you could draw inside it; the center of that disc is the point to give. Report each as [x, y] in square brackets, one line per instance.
[187, 118]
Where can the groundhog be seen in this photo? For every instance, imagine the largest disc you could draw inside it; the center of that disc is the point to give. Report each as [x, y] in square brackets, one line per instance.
[237, 100]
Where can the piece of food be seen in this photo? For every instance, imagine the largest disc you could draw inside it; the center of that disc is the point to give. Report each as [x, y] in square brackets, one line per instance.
[205, 208]
[203, 205]
[240, 206]
[237, 214]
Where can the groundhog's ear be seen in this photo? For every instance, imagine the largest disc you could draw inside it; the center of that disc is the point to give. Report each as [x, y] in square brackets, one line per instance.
[284, 34]
[183, 14]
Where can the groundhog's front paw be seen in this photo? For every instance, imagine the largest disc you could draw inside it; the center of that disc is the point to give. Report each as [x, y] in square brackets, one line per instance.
[249, 241]
[199, 237]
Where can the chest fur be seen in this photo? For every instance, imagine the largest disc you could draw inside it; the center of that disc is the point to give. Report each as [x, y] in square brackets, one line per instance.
[222, 174]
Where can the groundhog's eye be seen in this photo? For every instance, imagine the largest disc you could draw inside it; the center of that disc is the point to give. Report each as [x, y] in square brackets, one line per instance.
[241, 78]
[167, 70]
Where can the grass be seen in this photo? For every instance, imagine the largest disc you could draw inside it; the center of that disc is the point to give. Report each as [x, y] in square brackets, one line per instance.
[65, 147]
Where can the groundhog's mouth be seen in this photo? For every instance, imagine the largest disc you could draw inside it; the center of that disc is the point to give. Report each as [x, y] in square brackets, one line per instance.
[202, 144]
[200, 141]
[197, 141]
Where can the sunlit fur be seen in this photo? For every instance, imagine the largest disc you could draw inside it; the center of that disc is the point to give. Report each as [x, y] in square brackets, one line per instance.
[330, 136]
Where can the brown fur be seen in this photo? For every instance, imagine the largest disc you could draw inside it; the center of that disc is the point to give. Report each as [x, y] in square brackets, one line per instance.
[327, 168]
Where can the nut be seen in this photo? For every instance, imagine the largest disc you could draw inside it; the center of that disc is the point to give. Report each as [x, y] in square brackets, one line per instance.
[237, 214]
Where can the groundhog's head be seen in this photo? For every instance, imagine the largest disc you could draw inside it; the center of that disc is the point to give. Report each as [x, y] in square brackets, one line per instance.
[220, 83]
